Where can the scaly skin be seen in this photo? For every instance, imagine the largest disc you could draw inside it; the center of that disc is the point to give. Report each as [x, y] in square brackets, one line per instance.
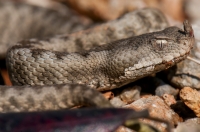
[103, 68]
[40, 98]
[134, 23]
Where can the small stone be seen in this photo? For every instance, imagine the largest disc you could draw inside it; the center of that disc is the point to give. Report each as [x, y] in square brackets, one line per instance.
[166, 89]
[169, 99]
[187, 73]
[190, 125]
[193, 120]
[191, 98]
[117, 102]
[129, 95]
[157, 108]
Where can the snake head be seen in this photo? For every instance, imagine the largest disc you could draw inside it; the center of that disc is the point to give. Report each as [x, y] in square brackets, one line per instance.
[161, 41]
[178, 44]
[173, 43]
[157, 51]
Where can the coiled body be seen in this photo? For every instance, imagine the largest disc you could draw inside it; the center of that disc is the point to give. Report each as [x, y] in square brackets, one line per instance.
[106, 67]
[71, 59]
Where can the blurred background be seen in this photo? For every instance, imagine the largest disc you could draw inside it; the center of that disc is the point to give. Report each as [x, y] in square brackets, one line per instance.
[103, 10]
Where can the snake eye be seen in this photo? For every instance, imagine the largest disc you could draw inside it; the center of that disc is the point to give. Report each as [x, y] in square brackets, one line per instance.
[159, 44]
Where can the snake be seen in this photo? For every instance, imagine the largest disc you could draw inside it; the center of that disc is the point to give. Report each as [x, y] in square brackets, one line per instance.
[58, 72]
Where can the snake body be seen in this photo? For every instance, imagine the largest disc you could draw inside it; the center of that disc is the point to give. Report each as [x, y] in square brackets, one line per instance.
[103, 68]
[54, 97]
[109, 66]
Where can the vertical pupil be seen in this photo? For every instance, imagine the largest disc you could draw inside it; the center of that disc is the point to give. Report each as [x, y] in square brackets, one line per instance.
[161, 45]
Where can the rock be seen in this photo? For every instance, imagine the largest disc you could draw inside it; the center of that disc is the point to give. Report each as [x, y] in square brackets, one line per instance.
[191, 98]
[190, 125]
[166, 89]
[193, 120]
[187, 73]
[169, 99]
[157, 108]
[129, 95]
[117, 102]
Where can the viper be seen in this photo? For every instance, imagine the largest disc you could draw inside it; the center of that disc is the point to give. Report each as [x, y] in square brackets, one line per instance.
[58, 74]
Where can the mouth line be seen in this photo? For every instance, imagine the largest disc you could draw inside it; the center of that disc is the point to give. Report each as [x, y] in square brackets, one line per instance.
[173, 61]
